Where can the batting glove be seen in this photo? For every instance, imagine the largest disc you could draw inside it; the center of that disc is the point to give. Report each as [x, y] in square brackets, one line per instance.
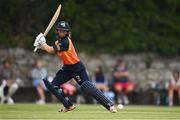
[40, 39]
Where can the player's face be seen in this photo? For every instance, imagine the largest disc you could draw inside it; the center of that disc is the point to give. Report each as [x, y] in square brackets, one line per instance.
[7, 65]
[39, 64]
[97, 70]
[61, 33]
[121, 64]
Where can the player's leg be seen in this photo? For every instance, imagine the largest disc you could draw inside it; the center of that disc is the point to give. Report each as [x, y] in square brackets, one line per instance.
[54, 87]
[12, 89]
[89, 88]
[2, 96]
[61, 77]
[56, 92]
[40, 91]
[118, 89]
[178, 89]
[170, 95]
[128, 88]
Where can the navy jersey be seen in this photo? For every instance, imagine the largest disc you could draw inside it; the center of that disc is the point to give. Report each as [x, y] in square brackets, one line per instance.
[66, 52]
[121, 79]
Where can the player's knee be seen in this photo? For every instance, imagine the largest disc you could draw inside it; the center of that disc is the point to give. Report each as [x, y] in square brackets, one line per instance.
[88, 87]
[51, 86]
[14, 86]
[47, 83]
[129, 89]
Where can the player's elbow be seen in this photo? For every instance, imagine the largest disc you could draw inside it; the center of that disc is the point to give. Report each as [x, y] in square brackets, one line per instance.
[50, 50]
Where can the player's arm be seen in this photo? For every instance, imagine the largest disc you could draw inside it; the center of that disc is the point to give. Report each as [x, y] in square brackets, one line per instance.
[121, 74]
[40, 42]
[63, 46]
[124, 74]
[47, 48]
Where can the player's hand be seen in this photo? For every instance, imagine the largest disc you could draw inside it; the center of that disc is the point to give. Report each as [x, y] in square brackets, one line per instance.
[40, 39]
[36, 45]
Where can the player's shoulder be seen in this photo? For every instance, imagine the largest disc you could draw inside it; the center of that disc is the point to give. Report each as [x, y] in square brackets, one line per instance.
[56, 42]
[62, 41]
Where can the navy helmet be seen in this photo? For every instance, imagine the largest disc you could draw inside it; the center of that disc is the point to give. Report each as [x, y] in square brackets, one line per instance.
[63, 25]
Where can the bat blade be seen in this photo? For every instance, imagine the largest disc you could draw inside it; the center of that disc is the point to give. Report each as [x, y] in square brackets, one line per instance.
[53, 20]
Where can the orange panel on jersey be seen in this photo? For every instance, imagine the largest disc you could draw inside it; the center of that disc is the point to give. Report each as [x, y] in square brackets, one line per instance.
[69, 57]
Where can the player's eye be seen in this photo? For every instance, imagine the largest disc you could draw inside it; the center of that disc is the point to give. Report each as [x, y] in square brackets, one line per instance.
[57, 30]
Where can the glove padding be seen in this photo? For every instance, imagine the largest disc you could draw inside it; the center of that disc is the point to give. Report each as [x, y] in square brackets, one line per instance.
[40, 39]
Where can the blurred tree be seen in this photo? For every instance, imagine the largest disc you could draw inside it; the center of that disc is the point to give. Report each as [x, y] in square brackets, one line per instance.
[113, 26]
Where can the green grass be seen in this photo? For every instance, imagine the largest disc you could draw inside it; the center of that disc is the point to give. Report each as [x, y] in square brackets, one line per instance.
[87, 112]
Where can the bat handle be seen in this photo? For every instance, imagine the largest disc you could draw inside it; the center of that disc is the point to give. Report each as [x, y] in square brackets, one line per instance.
[35, 49]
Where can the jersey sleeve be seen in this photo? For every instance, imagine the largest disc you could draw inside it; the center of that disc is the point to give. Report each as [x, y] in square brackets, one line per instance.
[61, 46]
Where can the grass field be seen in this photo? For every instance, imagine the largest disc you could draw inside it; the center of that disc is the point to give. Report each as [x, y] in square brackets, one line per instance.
[87, 112]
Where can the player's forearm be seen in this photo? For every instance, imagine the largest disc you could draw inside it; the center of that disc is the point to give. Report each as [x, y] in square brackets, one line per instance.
[116, 74]
[120, 74]
[124, 74]
[48, 48]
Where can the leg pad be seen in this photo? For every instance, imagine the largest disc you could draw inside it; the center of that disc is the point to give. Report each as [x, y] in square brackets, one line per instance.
[59, 96]
[88, 88]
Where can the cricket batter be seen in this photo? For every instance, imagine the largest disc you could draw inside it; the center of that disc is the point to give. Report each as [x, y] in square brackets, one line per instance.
[72, 68]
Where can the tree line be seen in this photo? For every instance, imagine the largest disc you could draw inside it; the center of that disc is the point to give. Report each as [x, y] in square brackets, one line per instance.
[97, 26]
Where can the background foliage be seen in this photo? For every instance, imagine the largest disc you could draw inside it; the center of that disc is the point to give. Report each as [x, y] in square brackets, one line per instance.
[113, 26]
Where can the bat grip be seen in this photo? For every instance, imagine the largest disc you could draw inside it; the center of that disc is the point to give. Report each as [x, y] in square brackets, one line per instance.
[35, 49]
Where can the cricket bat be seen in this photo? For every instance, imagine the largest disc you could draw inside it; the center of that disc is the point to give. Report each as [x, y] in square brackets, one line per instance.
[53, 20]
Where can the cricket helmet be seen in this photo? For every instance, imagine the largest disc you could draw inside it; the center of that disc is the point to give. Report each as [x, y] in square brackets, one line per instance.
[63, 25]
